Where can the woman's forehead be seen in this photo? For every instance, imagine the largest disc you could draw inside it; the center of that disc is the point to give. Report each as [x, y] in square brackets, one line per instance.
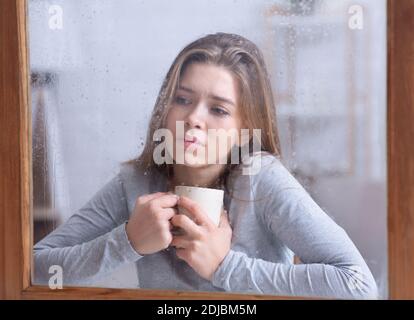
[210, 80]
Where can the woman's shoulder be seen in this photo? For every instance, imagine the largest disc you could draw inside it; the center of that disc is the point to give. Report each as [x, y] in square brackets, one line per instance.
[265, 159]
[128, 169]
[268, 172]
[259, 163]
[138, 179]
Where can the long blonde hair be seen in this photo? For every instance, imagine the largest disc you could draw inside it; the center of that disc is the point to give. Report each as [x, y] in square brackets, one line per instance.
[245, 62]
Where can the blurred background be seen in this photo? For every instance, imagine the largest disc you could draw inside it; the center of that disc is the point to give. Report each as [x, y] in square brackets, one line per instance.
[97, 67]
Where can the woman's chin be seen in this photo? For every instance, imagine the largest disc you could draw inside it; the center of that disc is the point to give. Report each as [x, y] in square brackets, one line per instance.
[195, 162]
[192, 161]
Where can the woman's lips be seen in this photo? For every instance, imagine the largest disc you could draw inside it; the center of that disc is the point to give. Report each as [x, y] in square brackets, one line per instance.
[190, 140]
[189, 143]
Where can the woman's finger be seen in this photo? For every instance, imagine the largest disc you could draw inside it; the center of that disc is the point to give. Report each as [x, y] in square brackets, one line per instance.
[166, 200]
[180, 242]
[167, 213]
[224, 220]
[148, 197]
[195, 211]
[182, 254]
[185, 223]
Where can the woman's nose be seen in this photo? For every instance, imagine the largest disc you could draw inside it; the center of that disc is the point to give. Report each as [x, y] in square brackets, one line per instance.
[196, 117]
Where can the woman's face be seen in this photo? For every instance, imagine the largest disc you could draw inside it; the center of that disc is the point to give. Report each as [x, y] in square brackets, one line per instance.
[207, 98]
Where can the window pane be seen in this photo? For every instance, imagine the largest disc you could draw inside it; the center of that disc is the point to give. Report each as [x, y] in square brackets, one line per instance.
[96, 72]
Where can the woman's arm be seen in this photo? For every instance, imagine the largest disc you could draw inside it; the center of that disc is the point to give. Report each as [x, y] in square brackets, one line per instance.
[93, 241]
[332, 265]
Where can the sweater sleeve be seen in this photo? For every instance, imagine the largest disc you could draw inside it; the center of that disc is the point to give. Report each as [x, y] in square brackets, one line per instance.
[91, 243]
[331, 264]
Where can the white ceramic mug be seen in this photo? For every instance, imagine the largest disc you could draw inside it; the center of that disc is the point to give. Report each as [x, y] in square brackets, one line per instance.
[210, 200]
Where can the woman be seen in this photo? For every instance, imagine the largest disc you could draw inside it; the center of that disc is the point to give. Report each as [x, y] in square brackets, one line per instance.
[216, 82]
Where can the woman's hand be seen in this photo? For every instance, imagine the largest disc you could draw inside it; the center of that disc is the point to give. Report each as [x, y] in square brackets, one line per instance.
[204, 245]
[149, 228]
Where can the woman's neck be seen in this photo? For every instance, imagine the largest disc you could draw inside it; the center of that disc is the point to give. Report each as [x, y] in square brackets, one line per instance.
[206, 177]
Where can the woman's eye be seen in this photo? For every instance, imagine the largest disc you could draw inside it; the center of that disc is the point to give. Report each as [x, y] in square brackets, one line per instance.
[181, 100]
[220, 111]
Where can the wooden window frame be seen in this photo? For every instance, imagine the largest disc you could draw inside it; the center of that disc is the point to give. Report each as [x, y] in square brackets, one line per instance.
[15, 165]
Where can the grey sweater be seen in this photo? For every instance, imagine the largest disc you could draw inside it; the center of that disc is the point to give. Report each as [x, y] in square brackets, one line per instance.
[271, 215]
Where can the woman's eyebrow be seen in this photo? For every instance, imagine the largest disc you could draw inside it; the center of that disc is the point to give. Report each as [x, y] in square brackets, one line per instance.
[215, 97]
